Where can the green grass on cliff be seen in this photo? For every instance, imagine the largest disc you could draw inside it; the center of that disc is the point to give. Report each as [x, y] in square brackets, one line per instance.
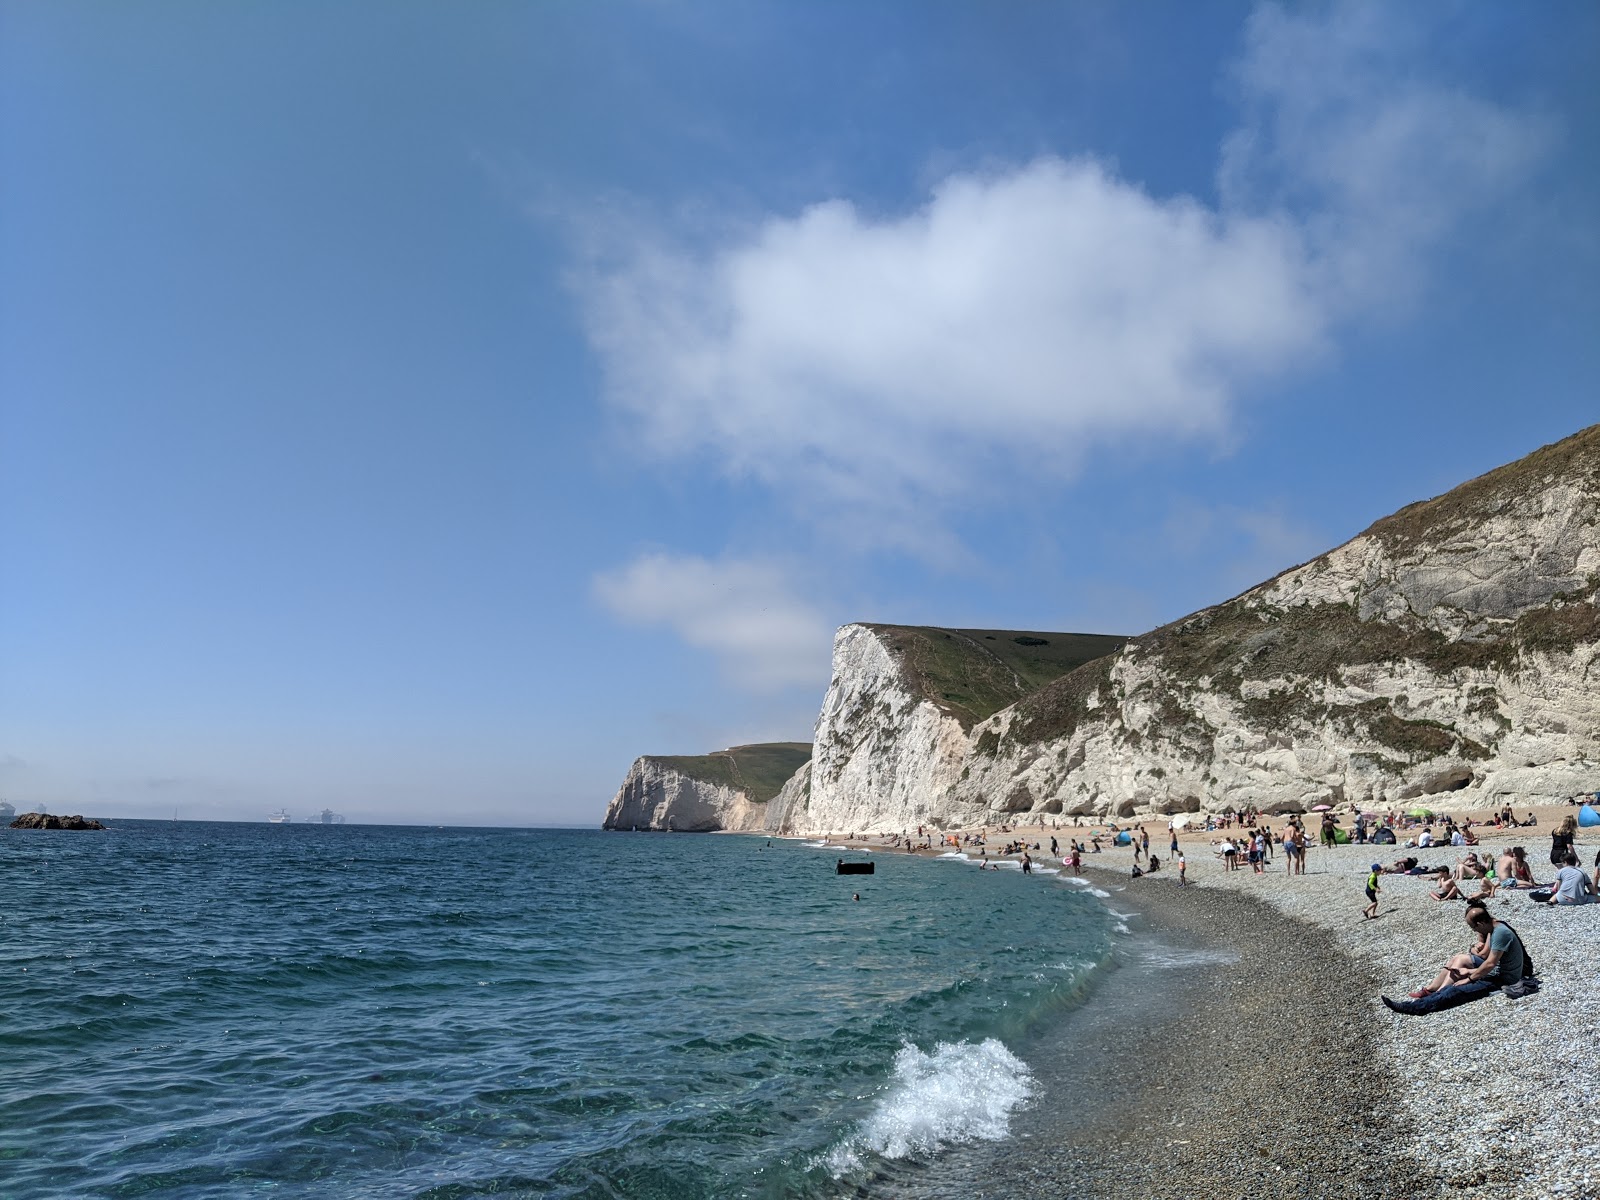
[1237, 640]
[760, 771]
[974, 673]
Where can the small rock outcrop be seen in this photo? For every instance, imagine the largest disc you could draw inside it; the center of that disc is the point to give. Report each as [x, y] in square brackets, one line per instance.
[726, 790]
[51, 821]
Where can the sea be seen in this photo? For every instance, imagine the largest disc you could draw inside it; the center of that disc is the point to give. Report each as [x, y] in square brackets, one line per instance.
[203, 1009]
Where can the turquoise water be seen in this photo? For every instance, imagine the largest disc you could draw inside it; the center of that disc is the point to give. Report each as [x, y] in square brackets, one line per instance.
[219, 1010]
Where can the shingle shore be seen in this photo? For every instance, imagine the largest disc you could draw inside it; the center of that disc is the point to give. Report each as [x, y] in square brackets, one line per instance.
[1266, 1080]
[1501, 1093]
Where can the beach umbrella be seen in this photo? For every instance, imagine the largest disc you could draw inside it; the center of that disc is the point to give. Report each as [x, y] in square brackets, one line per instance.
[1420, 812]
[1322, 808]
[1182, 820]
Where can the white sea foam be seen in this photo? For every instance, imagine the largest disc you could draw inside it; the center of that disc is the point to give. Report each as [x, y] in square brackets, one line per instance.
[955, 854]
[960, 1092]
[1171, 957]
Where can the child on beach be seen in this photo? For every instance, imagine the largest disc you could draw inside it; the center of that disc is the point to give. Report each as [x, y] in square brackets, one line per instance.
[1183, 866]
[1371, 910]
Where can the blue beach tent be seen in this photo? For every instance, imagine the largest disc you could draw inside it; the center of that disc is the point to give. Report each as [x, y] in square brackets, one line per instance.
[1587, 816]
[1124, 838]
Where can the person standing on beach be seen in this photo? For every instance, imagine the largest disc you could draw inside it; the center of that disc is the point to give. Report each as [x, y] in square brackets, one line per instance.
[1077, 860]
[1561, 840]
[1173, 848]
[1371, 910]
[1183, 867]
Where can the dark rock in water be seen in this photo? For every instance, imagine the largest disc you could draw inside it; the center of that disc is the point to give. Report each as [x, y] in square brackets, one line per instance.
[51, 821]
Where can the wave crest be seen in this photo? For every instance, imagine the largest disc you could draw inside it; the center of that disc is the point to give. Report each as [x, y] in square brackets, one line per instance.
[958, 1092]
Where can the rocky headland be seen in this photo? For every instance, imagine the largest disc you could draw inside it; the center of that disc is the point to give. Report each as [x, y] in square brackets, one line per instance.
[728, 789]
[1451, 647]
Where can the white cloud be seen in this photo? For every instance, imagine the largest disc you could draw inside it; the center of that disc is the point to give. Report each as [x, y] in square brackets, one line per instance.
[1345, 127]
[1020, 317]
[743, 612]
[891, 367]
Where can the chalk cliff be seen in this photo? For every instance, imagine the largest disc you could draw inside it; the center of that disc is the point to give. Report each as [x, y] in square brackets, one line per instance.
[729, 789]
[1451, 647]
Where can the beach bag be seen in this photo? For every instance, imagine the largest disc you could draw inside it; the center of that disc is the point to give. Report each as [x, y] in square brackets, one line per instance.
[1539, 896]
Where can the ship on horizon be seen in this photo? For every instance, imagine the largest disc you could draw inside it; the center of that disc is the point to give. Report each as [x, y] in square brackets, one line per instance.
[281, 817]
[7, 811]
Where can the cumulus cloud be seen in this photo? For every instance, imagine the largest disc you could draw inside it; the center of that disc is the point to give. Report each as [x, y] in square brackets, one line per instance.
[744, 612]
[1024, 315]
[892, 366]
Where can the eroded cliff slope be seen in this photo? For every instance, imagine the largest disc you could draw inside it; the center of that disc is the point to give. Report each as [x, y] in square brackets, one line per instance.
[1450, 647]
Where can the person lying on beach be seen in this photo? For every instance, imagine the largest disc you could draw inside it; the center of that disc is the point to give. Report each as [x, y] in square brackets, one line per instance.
[1447, 889]
[1471, 868]
[1495, 960]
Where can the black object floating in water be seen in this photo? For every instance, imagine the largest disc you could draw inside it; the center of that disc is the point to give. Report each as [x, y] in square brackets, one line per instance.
[854, 868]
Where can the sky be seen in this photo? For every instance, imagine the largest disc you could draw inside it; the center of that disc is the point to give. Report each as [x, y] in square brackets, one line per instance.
[421, 410]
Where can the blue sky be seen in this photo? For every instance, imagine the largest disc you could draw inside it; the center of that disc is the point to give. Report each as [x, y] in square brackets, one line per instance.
[421, 410]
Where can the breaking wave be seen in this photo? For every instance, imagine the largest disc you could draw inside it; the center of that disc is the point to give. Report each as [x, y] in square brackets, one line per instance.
[958, 1092]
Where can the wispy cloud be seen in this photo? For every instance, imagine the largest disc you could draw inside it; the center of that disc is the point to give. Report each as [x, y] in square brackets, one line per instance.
[886, 368]
[744, 612]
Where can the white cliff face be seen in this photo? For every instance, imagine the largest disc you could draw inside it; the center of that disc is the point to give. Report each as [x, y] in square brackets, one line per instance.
[1454, 648]
[657, 797]
[789, 806]
[883, 757]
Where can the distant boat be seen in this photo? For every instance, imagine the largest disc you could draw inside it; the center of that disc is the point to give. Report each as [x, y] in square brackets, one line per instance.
[327, 817]
[7, 811]
[281, 817]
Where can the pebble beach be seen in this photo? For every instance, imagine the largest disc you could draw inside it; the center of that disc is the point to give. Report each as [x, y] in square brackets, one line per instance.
[1344, 1098]
[1500, 1092]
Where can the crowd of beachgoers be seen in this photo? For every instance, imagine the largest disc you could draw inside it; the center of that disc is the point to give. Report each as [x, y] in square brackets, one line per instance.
[1448, 912]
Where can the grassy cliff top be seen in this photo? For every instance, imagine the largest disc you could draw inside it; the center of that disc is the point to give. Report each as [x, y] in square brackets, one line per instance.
[974, 673]
[760, 771]
[1574, 459]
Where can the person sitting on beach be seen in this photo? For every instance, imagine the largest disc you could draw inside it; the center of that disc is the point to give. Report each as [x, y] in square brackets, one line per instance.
[1447, 889]
[1425, 838]
[1155, 865]
[1519, 873]
[1470, 867]
[1136, 871]
[1571, 885]
[1496, 959]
